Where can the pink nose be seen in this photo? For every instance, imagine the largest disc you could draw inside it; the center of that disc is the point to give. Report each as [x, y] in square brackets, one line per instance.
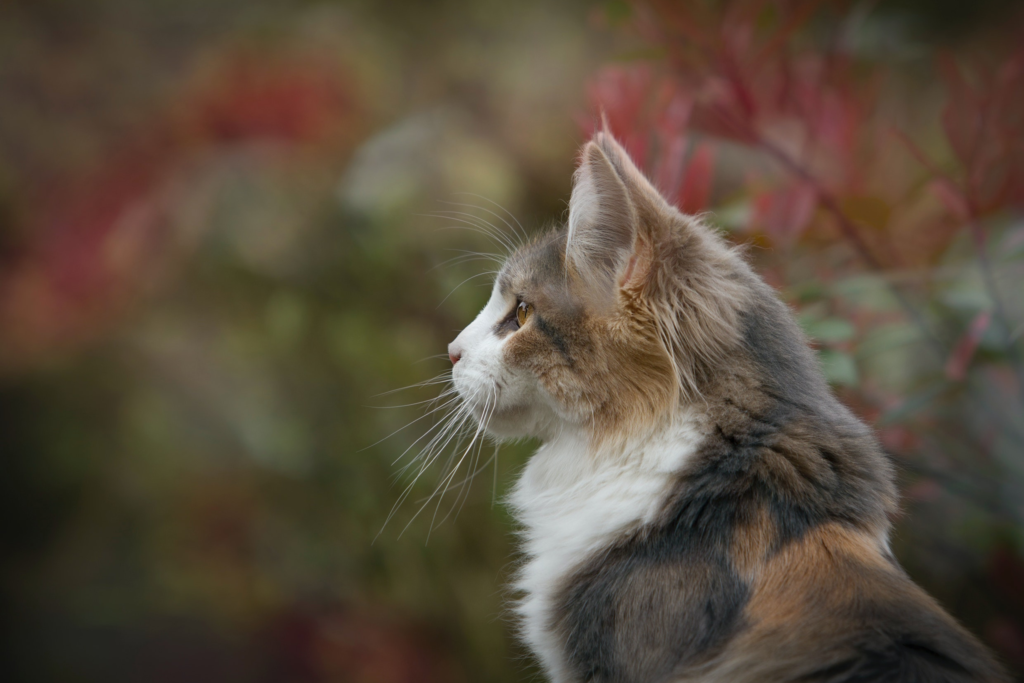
[454, 354]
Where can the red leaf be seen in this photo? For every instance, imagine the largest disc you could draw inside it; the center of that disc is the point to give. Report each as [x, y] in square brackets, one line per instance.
[1007, 637]
[695, 190]
[298, 101]
[619, 94]
[951, 197]
[718, 113]
[675, 105]
[1006, 572]
[796, 20]
[690, 20]
[670, 167]
[924, 490]
[785, 213]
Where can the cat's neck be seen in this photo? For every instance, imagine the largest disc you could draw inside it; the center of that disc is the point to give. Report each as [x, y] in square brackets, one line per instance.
[575, 454]
[611, 485]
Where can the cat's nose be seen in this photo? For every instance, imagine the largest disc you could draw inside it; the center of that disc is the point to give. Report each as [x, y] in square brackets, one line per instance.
[454, 353]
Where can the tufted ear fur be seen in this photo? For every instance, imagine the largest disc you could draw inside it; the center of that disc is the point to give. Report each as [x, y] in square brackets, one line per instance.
[602, 223]
[614, 213]
[624, 238]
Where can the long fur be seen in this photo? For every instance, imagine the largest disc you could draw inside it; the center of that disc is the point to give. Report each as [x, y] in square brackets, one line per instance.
[702, 507]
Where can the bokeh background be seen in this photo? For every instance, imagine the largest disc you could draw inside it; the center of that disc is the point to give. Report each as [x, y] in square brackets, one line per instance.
[228, 227]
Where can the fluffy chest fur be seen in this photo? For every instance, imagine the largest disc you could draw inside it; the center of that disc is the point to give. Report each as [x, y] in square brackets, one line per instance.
[573, 503]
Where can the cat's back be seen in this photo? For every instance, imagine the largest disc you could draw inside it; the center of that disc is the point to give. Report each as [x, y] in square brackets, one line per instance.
[829, 609]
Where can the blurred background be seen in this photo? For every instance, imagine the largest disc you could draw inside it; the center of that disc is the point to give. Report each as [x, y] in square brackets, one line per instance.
[227, 227]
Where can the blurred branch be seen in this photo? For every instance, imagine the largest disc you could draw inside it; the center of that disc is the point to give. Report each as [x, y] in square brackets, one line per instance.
[988, 276]
[850, 232]
[969, 210]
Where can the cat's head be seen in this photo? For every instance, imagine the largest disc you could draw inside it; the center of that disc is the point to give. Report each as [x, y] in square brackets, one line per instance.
[607, 324]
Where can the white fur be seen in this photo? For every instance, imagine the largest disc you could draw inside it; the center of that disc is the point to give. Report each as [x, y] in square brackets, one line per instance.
[510, 402]
[573, 502]
[478, 373]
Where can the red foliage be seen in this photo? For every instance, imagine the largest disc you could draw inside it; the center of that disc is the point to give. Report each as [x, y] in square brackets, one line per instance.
[736, 74]
[100, 236]
[984, 122]
[303, 100]
[695, 188]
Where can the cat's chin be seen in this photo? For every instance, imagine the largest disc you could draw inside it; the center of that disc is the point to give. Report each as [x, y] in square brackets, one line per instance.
[515, 422]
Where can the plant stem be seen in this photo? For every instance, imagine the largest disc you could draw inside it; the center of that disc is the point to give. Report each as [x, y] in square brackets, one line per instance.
[988, 276]
[981, 247]
[850, 232]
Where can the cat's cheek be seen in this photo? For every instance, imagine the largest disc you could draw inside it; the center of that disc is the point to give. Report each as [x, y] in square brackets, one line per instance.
[544, 380]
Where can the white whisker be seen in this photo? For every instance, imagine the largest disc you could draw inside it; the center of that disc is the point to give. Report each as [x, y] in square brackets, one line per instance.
[521, 237]
[440, 379]
[451, 425]
[448, 479]
[471, 277]
[499, 206]
[473, 224]
[409, 424]
[427, 464]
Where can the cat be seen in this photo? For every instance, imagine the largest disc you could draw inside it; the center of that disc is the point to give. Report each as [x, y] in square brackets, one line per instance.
[702, 508]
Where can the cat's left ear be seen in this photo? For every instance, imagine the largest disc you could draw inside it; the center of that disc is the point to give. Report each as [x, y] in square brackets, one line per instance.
[602, 223]
[612, 208]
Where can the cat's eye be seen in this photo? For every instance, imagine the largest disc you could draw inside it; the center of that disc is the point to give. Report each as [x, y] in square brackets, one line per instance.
[523, 311]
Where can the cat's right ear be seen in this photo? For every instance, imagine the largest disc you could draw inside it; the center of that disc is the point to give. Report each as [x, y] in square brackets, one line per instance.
[602, 224]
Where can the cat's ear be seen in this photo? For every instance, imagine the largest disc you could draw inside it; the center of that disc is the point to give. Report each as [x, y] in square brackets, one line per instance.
[645, 197]
[602, 222]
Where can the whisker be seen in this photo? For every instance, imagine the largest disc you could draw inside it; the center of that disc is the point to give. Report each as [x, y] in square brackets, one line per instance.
[471, 223]
[454, 418]
[468, 256]
[464, 484]
[447, 392]
[474, 458]
[446, 375]
[499, 206]
[494, 489]
[484, 224]
[519, 236]
[434, 357]
[471, 277]
[450, 438]
[447, 420]
[421, 417]
[485, 421]
[470, 226]
[423, 469]
[448, 479]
